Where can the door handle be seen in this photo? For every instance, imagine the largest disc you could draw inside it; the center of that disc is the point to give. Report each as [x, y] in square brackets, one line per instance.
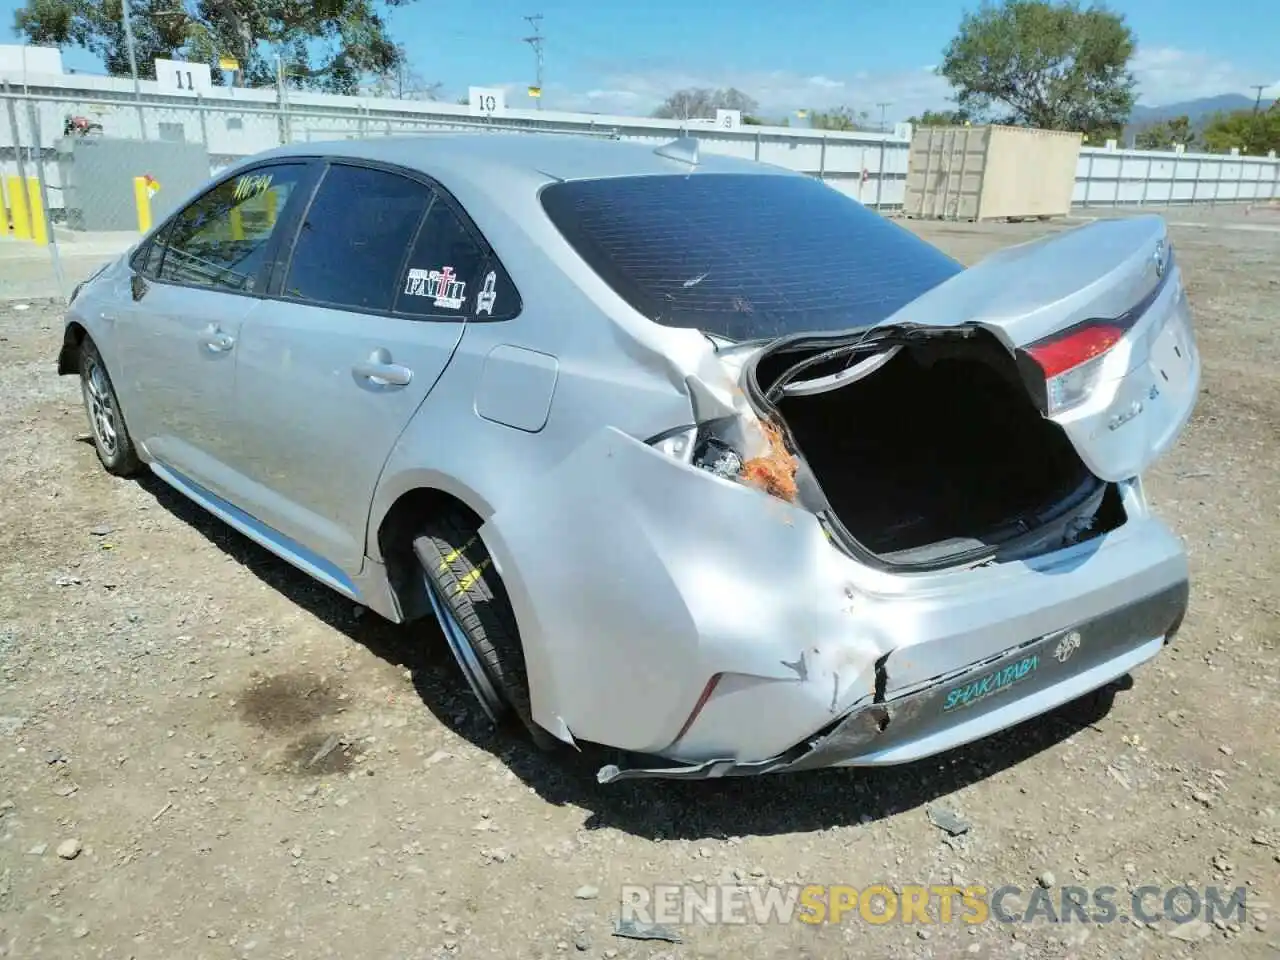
[383, 374]
[217, 341]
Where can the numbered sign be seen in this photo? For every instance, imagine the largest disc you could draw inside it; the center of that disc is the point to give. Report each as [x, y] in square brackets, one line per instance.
[179, 76]
[728, 119]
[487, 101]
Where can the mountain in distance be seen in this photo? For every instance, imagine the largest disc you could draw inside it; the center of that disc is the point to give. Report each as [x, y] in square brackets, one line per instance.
[1197, 111]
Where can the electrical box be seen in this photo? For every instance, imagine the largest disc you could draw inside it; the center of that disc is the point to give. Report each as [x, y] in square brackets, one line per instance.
[97, 178]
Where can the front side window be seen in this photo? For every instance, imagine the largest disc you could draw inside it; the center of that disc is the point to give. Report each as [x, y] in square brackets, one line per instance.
[146, 260]
[355, 238]
[221, 240]
[744, 256]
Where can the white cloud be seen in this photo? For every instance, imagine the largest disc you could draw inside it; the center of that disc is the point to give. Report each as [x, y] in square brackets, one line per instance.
[1170, 75]
[777, 91]
[1164, 74]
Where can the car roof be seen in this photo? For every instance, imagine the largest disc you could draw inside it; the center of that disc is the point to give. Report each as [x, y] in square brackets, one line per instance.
[508, 158]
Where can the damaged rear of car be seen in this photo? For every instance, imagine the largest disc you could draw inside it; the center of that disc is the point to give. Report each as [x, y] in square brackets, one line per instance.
[906, 510]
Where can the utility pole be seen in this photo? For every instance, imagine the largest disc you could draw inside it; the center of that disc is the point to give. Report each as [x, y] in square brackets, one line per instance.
[133, 67]
[535, 41]
[1257, 103]
[883, 107]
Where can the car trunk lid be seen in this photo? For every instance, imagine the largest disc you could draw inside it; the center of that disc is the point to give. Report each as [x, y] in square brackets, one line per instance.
[1096, 318]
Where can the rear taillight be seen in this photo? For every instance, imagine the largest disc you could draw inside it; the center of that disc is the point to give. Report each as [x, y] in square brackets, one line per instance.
[677, 443]
[705, 446]
[1071, 362]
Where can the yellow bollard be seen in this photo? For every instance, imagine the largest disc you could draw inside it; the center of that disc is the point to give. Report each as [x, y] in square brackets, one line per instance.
[271, 208]
[39, 226]
[142, 201]
[18, 207]
[237, 224]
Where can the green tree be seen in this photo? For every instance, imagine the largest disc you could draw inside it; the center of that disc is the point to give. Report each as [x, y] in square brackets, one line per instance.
[1254, 133]
[840, 118]
[1165, 134]
[327, 45]
[1038, 63]
[941, 118]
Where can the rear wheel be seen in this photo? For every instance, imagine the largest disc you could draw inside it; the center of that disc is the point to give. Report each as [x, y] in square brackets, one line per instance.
[110, 435]
[476, 618]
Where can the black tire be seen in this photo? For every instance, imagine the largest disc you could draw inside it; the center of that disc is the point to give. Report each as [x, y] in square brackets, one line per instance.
[106, 419]
[459, 569]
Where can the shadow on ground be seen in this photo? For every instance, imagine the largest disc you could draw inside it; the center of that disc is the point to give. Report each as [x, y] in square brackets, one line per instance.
[659, 810]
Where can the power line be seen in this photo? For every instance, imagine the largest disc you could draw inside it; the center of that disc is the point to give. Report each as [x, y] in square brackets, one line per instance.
[535, 41]
[883, 107]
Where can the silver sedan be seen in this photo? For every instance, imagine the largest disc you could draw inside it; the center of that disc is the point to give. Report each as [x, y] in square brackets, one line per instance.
[689, 456]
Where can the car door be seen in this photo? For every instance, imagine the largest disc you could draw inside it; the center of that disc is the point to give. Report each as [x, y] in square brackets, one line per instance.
[362, 321]
[191, 289]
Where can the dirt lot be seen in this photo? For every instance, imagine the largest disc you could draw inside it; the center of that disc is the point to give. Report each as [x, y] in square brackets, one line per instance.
[165, 686]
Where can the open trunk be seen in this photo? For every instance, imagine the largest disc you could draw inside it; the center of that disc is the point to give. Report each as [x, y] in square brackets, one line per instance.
[940, 456]
[993, 416]
[1023, 389]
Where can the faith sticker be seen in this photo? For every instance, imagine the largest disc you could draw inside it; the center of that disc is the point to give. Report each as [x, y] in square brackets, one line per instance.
[249, 187]
[442, 286]
[487, 297]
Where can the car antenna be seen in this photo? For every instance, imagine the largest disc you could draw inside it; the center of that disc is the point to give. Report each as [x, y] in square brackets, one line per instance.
[682, 148]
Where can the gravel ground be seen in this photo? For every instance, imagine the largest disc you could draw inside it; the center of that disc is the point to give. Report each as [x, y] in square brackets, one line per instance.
[205, 755]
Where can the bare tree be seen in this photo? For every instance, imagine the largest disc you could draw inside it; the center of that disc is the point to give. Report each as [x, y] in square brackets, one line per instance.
[699, 103]
[403, 82]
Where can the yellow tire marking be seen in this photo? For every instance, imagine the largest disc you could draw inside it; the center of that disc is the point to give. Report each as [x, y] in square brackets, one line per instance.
[469, 580]
[453, 555]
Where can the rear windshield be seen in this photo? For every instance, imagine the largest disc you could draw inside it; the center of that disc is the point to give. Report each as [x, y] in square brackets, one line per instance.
[744, 256]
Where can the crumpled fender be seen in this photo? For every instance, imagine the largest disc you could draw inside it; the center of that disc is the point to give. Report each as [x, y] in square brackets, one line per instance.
[635, 578]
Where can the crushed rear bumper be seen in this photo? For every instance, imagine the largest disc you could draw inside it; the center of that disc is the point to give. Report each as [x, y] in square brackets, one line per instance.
[981, 699]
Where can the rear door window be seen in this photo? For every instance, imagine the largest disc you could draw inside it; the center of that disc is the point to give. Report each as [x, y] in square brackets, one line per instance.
[221, 240]
[355, 238]
[744, 256]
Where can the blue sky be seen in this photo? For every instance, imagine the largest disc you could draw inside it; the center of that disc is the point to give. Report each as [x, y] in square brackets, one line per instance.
[620, 57]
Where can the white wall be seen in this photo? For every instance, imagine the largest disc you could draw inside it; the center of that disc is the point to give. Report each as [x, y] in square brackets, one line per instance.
[1121, 177]
[17, 61]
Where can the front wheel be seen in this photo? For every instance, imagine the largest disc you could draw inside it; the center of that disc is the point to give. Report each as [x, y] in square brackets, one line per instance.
[106, 422]
[476, 618]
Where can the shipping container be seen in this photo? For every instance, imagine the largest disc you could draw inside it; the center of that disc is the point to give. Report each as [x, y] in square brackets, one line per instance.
[990, 172]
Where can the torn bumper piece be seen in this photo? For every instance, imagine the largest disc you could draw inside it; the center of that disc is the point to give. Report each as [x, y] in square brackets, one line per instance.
[985, 697]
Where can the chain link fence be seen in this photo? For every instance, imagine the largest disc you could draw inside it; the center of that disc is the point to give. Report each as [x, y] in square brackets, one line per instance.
[81, 176]
[107, 166]
[83, 169]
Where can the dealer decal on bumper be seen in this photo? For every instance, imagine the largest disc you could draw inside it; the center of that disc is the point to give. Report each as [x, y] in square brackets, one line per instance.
[994, 682]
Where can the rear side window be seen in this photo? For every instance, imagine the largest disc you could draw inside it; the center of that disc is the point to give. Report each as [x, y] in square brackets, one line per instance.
[355, 238]
[443, 275]
[221, 239]
[744, 256]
